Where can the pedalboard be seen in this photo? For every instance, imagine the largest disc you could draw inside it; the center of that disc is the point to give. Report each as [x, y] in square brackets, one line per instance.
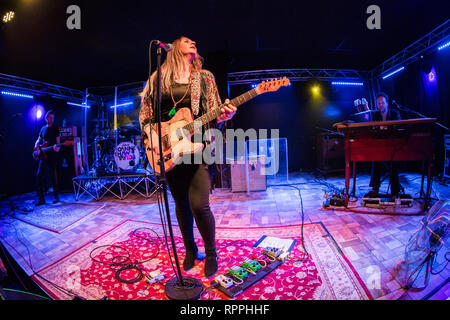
[385, 200]
[242, 276]
[231, 289]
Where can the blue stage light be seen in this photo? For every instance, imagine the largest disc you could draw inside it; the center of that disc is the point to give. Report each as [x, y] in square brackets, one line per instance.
[15, 94]
[122, 104]
[38, 114]
[393, 72]
[445, 45]
[78, 104]
[344, 83]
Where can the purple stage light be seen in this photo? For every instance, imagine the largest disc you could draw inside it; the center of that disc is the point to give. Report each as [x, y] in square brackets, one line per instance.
[431, 76]
[37, 112]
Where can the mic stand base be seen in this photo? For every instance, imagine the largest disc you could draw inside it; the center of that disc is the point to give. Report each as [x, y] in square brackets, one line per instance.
[191, 289]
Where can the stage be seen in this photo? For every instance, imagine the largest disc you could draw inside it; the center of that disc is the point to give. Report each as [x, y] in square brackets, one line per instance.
[367, 241]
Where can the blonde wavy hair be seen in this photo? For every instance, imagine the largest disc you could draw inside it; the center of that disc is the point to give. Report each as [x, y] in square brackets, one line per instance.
[174, 62]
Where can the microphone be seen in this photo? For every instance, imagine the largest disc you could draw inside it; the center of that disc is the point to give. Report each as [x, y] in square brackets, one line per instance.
[397, 105]
[166, 46]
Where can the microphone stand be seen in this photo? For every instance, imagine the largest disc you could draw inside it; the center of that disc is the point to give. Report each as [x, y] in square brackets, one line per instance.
[406, 109]
[178, 288]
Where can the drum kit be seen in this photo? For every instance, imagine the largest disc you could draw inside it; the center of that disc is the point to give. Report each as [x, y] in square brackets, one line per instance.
[117, 151]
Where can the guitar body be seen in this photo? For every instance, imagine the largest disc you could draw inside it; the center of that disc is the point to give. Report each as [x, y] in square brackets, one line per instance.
[177, 132]
[179, 142]
[38, 153]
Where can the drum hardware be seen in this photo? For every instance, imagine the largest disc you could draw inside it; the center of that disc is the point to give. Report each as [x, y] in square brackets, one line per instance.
[111, 158]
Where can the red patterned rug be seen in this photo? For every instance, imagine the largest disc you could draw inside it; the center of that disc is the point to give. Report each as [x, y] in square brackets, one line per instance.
[327, 275]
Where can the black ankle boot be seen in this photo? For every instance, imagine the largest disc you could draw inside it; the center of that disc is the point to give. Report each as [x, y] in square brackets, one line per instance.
[189, 260]
[210, 264]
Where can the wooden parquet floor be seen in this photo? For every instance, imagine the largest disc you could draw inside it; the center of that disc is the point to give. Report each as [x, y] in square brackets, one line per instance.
[373, 243]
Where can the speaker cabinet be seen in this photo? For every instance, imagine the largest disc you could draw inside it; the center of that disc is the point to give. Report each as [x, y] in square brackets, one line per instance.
[330, 150]
[248, 174]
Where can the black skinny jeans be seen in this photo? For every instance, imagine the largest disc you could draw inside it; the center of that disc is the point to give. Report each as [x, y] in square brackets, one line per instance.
[375, 180]
[189, 185]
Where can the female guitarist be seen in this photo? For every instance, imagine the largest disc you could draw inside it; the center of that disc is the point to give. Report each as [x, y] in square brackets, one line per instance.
[186, 85]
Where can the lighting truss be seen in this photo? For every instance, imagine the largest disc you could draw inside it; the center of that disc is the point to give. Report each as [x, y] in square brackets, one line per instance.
[248, 77]
[439, 36]
[37, 88]
[127, 91]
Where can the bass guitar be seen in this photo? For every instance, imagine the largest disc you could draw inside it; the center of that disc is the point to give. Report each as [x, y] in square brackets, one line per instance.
[40, 151]
[177, 132]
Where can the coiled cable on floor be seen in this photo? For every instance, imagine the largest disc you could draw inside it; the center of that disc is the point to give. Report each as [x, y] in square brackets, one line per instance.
[121, 263]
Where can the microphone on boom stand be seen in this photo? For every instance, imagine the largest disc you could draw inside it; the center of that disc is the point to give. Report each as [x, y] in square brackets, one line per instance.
[178, 288]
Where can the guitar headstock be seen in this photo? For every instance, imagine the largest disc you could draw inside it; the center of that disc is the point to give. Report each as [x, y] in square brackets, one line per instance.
[272, 85]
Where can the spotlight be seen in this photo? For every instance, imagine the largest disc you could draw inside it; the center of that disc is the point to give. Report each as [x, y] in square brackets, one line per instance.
[7, 17]
[84, 105]
[122, 104]
[315, 89]
[343, 83]
[37, 112]
[393, 72]
[16, 94]
[445, 45]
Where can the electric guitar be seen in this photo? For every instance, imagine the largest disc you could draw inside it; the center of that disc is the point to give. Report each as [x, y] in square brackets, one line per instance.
[177, 132]
[40, 151]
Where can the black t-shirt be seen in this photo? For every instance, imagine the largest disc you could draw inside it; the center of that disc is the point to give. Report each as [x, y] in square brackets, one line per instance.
[391, 115]
[49, 134]
[178, 91]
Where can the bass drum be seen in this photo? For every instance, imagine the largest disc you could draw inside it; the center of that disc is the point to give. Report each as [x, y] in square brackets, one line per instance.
[127, 156]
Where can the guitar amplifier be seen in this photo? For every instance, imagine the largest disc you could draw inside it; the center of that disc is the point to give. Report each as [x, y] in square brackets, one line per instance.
[69, 133]
[330, 152]
[248, 174]
[69, 165]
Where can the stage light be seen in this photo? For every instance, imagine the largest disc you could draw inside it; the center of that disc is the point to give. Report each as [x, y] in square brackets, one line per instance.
[7, 17]
[445, 45]
[121, 105]
[431, 76]
[315, 89]
[393, 72]
[254, 85]
[37, 112]
[19, 95]
[78, 104]
[343, 83]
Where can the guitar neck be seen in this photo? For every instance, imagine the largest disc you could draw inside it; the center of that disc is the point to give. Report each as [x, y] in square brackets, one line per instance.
[216, 112]
[51, 147]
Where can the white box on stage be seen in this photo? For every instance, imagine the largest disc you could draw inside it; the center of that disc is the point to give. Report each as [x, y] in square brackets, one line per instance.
[248, 174]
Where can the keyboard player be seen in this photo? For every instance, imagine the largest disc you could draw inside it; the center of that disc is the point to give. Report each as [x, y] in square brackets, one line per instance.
[384, 113]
